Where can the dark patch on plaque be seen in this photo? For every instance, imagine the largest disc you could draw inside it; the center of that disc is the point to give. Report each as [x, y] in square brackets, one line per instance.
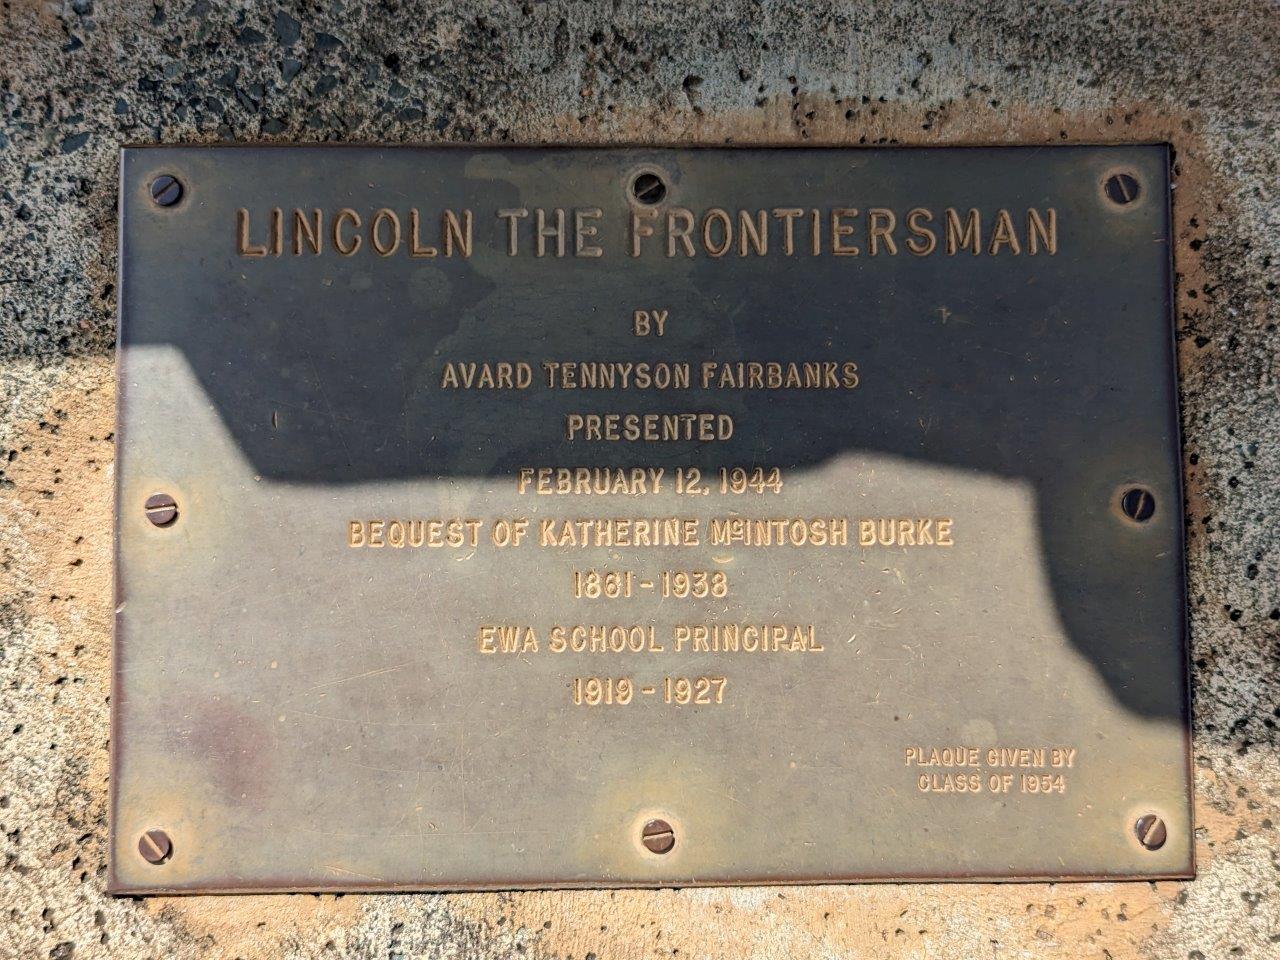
[522, 518]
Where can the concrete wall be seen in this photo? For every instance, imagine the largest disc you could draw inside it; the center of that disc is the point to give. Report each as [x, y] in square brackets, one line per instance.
[81, 77]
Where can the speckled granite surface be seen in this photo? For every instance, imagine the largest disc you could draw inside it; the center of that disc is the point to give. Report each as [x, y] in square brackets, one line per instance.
[78, 79]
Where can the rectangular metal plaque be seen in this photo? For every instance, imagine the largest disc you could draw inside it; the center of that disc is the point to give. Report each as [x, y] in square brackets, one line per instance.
[577, 517]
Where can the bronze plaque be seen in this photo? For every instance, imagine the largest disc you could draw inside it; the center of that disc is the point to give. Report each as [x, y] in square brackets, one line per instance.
[576, 517]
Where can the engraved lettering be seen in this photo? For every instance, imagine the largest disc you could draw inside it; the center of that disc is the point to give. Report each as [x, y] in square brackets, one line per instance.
[788, 216]
[720, 246]
[1042, 231]
[640, 227]
[277, 231]
[347, 246]
[923, 240]
[243, 246]
[458, 233]
[753, 233]
[542, 232]
[679, 226]
[1003, 234]
[880, 224]
[306, 231]
[513, 217]
[582, 232]
[905, 532]
[385, 246]
[840, 230]
[966, 237]
[417, 249]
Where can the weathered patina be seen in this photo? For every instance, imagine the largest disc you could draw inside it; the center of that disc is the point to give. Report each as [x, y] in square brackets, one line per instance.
[508, 518]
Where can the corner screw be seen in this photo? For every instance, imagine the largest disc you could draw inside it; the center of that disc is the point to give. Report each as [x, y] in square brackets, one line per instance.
[1138, 504]
[648, 188]
[1122, 188]
[155, 846]
[161, 509]
[1151, 831]
[166, 190]
[658, 837]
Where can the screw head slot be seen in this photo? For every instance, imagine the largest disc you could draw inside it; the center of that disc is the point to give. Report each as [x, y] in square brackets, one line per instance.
[649, 189]
[1122, 188]
[161, 509]
[1138, 504]
[658, 837]
[166, 190]
[1151, 831]
[155, 846]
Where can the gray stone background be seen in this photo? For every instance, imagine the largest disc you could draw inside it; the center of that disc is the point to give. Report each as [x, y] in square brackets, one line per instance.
[80, 77]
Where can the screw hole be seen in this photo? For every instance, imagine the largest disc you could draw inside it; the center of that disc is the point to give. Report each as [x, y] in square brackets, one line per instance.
[649, 189]
[1138, 504]
[166, 190]
[658, 837]
[161, 509]
[1122, 188]
[1151, 831]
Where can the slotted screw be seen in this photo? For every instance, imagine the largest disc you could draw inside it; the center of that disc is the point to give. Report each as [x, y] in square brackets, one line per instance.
[166, 190]
[1138, 504]
[658, 836]
[161, 509]
[155, 846]
[1122, 188]
[1151, 831]
[648, 188]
